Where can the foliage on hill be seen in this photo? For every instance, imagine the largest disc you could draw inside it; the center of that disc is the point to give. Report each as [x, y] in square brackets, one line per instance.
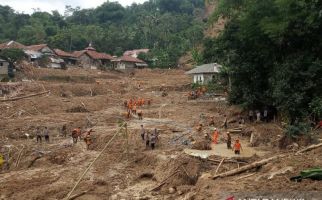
[168, 27]
[272, 49]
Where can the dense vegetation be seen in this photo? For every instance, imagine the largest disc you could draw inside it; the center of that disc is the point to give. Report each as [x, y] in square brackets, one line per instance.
[272, 49]
[168, 27]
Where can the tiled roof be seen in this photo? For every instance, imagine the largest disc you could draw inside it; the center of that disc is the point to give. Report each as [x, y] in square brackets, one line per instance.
[36, 47]
[63, 53]
[12, 45]
[78, 53]
[93, 54]
[99, 56]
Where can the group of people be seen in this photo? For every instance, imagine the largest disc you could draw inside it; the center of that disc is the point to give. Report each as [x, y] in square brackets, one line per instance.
[197, 93]
[150, 139]
[132, 105]
[257, 116]
[78, 134]
[237, 145]
[42, 133]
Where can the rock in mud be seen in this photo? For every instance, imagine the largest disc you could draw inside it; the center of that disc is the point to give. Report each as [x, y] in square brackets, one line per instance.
[172, 190]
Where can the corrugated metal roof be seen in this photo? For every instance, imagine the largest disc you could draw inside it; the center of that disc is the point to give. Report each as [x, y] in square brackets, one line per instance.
[205, 69]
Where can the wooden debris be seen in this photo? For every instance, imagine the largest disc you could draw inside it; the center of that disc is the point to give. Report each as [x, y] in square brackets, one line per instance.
[24, 97]
[221, 162]
[78, 195]
[164, 180]
[248, 167]
[309, 148]
[246, 176]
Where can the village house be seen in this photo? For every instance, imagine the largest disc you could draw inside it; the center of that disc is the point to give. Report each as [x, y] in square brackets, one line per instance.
[205, 74]
[42, 55]
[68, 58]
[135, 53]
[41, 48]
[128, 62]
[90, 58]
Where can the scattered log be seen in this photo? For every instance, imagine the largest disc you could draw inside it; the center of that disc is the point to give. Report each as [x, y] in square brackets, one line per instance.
[221, 162]
[33, 161]
[164, 181]
[78, 195]
[246, 176]
[248, 167]
[24, 97]
[228, 161]
[309, 148]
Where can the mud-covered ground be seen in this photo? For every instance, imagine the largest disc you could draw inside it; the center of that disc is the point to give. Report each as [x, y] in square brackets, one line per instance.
[127, 169]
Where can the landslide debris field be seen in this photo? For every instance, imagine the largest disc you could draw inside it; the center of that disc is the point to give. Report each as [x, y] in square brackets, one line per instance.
[179, 167]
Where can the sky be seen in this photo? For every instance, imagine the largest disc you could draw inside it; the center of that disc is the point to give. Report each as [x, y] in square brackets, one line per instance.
[26, 6]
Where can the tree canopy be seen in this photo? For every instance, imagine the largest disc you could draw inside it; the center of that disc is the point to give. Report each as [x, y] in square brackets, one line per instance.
[272, 49]
[168, 27]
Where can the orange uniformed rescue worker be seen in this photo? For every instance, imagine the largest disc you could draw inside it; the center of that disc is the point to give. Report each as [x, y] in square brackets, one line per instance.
[237, 147]
[215, 136]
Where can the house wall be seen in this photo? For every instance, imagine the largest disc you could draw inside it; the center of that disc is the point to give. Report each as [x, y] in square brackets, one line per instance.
[203, 78]
[125, 65]
[55, 65]
[4, 68]
[87, 62]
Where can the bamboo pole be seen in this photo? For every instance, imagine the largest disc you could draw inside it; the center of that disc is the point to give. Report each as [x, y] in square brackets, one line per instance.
[221, 162]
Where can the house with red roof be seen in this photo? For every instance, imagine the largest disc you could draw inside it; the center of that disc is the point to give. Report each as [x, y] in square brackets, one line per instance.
[68, 58]
[90, 58]
[128, 62]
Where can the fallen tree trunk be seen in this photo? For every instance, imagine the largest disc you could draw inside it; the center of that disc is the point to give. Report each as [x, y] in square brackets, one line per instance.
[309, 148]
[248, 167]
[24, 97]
[228, 161]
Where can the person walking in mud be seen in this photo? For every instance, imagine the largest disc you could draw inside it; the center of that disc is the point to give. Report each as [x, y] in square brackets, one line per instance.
[142, 132]
[237, 147]
[147, 139]
[64, 131]
[88, 138]
[46, 134]
[228, 141]
[38, 135]
[153, 140]
[225, 125]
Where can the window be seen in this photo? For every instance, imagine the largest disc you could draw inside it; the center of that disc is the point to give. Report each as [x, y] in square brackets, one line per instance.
[1, 63]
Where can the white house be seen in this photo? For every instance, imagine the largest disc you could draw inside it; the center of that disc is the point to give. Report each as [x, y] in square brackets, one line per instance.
[205, 73]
